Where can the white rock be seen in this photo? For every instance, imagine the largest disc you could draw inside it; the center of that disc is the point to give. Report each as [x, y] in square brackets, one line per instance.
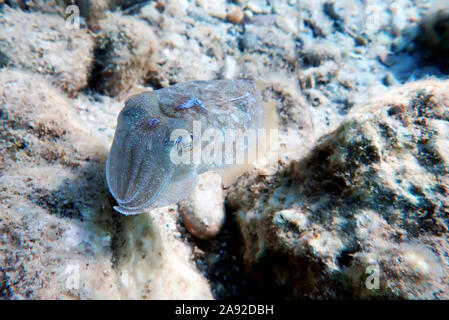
[150, 13]
[203, 211]
[258, 7]
[175, 40]
[215, 8]
[287, 24]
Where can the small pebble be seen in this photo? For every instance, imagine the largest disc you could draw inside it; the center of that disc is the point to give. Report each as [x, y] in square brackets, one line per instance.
[235, 16]
[286, 24]
[361, 41]
[248, 14]
[203, 211]
[389, 80]
[216, 8]
[254, 7]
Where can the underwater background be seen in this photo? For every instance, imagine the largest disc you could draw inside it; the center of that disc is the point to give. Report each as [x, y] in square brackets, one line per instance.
[354, 206]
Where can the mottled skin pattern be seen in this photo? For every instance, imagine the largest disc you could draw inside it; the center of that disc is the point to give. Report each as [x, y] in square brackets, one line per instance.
[139, 172]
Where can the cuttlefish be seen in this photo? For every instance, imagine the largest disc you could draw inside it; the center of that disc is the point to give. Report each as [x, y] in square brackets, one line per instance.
[156, 130]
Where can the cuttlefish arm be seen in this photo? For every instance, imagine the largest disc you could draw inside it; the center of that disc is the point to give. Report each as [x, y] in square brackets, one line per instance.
[139, 171]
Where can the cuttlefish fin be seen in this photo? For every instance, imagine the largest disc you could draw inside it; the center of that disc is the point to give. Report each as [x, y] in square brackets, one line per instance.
[230, 173]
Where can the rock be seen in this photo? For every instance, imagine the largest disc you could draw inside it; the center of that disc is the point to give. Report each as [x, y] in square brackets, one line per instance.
[51, 6]
[370, 200]
[203, 46]
[215, 8]
[90, 10]
[257, 7]
[59, 236]
[35, 115]
[287, 24]
[235, 16]
[43, 44]
[390, 80]
[248, 13]
[203, 211]
[150, 13]
[260, 38]
[291, 104]
[55, 218]
[126, 52]
[174, 40]
[154, 262]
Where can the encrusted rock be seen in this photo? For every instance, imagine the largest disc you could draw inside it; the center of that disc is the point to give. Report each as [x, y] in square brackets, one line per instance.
[372, 195]
[55, 217]
[43, 44]
[126, 52]
[59, 237]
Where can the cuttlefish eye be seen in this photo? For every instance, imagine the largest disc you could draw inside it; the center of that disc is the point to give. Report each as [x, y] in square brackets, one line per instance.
[184, 143]
[153, 122]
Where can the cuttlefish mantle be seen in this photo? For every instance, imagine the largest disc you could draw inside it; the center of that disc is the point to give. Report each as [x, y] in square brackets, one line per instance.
[157, 129]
